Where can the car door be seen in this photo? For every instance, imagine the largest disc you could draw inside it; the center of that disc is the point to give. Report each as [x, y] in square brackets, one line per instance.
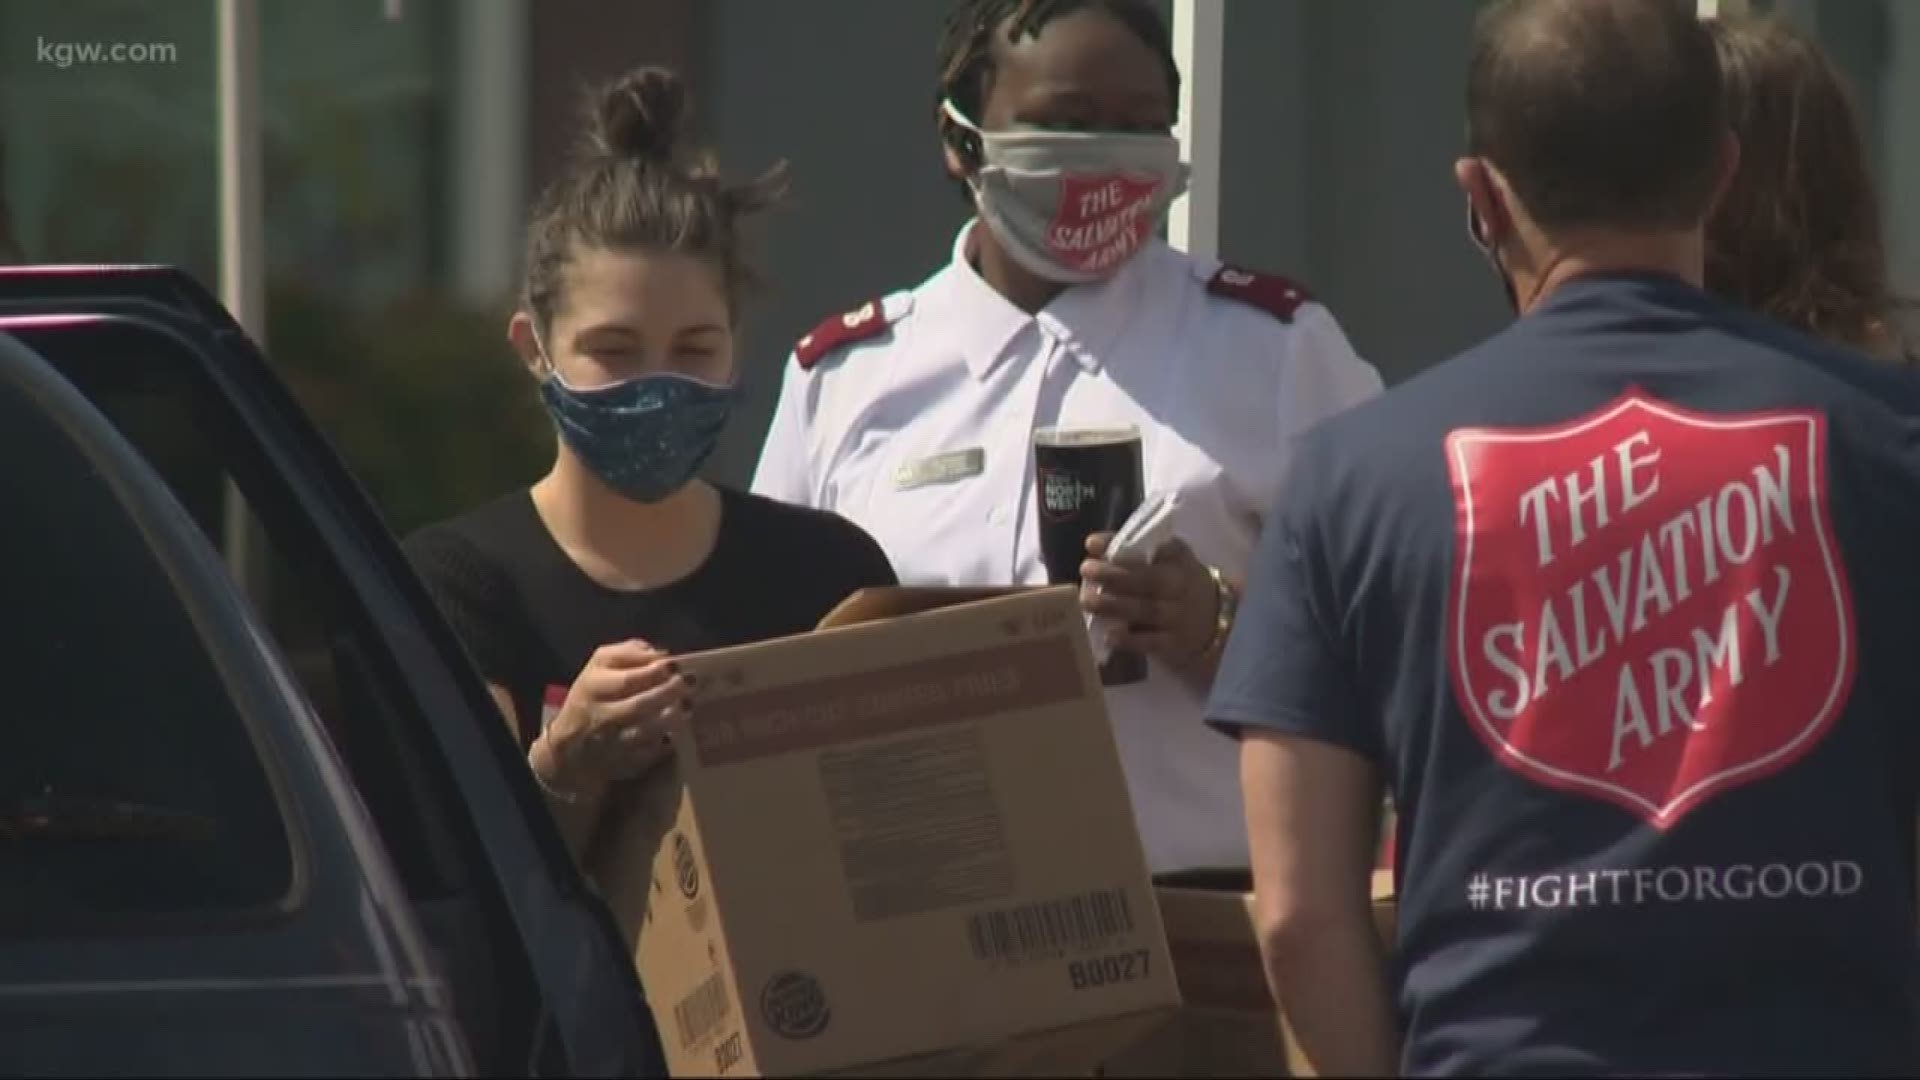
[187, 886]
[543, 983]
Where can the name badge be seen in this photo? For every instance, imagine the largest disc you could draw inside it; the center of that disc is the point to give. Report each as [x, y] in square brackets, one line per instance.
[940, 469]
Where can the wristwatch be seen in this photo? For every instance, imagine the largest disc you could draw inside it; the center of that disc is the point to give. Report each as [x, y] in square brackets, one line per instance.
[1227, 606]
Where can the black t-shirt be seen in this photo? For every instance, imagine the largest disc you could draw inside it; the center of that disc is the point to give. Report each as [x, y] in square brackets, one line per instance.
[531, 618]
[1625, 604]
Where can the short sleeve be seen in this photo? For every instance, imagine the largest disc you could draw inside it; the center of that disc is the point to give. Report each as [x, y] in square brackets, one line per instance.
[855, 559]
[868, 561]
[1322, 376]
[1285, 668]
[475, 596]
[1327, 376]
[785, 471]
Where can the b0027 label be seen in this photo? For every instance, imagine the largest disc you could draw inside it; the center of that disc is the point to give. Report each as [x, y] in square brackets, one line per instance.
[1112, 969]
[727, 1054]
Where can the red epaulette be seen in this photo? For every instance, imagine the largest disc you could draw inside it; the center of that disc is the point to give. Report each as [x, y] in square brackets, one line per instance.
[1277, 296]
[867, 320]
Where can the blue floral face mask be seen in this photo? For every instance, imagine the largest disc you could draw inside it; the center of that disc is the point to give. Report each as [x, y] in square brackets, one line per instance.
[645, 437]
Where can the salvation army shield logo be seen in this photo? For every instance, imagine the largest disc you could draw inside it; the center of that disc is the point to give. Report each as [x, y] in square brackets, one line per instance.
[1102, 219]
[1648, 605]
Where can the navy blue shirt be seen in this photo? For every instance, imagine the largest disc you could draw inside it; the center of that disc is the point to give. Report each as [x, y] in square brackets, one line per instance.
[1625, 605]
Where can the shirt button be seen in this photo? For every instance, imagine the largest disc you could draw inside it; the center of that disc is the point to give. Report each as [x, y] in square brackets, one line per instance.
[996, 515]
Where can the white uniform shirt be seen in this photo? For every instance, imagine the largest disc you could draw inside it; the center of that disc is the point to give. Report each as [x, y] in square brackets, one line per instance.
[1216, 386]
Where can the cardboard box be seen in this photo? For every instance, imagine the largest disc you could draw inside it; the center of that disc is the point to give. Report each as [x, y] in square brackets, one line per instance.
[901, 845]
[1227, 1024]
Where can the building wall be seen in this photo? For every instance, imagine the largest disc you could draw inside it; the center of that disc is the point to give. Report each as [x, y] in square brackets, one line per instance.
[844, 90]
[402, 152]
[1341, 126]
[1342, 122]
[574, 45]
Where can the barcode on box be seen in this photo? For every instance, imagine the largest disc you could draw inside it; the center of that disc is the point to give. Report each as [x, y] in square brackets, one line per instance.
[1050, 925]
[700, 1014]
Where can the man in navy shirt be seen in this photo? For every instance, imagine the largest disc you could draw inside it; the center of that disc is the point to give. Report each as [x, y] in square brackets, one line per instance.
[1622, 607]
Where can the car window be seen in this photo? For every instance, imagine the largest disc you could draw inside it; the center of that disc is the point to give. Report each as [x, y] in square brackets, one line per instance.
[167, 403]
[182, 431]
[131, 788]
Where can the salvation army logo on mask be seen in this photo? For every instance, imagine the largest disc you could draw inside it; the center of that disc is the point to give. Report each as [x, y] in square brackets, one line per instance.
[1102, 219]
[1648, 604]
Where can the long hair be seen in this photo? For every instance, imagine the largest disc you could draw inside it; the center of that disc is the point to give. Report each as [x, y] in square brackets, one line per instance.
[1798, 234]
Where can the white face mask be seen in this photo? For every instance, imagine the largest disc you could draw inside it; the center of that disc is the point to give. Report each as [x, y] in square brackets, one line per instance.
[1073, 206]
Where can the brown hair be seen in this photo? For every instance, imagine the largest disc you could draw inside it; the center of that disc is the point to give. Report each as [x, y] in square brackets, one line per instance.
[632, 185]
[1599, 115]
[1797, 235]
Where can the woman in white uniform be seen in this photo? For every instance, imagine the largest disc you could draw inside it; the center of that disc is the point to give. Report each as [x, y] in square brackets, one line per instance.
[913, 415]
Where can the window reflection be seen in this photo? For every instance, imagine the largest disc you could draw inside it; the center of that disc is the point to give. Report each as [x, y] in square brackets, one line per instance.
[111, 158]
[392, 241]
[394, 174]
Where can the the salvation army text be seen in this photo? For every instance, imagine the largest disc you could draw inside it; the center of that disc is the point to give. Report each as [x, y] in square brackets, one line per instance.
[1715, 546]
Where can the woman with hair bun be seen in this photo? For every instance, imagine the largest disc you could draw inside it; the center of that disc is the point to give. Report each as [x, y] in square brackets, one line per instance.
[574, 595]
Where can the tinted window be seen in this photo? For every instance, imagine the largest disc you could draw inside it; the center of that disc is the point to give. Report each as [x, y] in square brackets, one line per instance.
[182, 428]
[164, 398]
[129, 785]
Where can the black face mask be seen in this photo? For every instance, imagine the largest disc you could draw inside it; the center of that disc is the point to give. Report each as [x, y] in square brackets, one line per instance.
[1477, 232]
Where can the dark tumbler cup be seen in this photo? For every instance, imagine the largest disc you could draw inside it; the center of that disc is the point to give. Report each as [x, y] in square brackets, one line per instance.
[1089, 480]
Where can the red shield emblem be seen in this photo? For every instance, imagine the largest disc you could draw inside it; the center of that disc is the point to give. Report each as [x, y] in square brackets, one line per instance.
[1648, 605]
[1102, 220]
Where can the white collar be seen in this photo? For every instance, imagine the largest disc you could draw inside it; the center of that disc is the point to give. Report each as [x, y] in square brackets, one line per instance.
[1085, 319]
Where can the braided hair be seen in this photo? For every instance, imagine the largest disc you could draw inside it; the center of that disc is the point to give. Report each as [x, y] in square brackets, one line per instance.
[966, 47]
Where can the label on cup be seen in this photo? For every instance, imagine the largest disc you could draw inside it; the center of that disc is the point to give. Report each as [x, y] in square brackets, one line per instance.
[1063, 494]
